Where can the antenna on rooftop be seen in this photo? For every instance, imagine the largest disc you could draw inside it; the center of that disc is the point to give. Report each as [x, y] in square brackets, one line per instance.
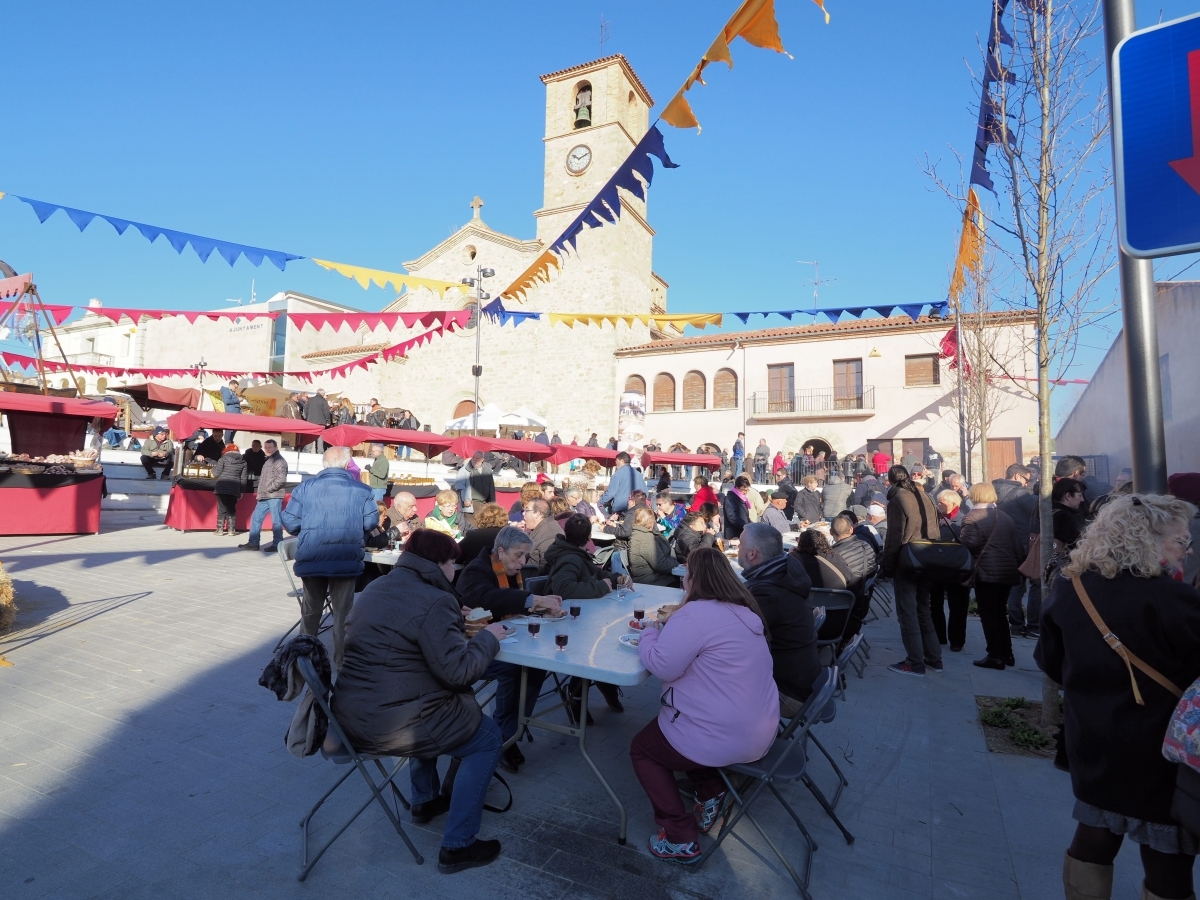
[604, 23]
[816, 280]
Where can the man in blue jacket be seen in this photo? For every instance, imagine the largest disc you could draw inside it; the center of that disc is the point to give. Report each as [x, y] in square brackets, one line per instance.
[232, 401]
[625, 479]
[332, 513]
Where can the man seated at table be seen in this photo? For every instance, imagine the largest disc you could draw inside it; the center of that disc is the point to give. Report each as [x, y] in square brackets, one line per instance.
[542, 530]
[158, 451]
[574, 576]
[492, 580]
[780, 585]
[670, 513]
[775, 516]
[859, 559]
[403, 516]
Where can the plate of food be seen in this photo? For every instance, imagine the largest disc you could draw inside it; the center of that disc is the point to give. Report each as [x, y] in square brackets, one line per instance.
[629, 640]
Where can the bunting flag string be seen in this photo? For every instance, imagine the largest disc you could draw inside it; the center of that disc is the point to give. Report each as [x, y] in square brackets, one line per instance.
[912, 310]
[635, 174]
[373, 320]
[58, 314]
[203, 246]
[398, 280]
[496, 311]
[696, 320]
[116, 313]
[970, 245]
[755, 23]
[991, 127]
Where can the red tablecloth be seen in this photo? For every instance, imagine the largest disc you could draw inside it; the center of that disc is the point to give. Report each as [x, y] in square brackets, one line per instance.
[190, 509]
[67, 509]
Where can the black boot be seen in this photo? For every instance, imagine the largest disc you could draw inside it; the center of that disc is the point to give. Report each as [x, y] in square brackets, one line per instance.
[479, 853]
[430, 809]
[612, 696]
[573, 697]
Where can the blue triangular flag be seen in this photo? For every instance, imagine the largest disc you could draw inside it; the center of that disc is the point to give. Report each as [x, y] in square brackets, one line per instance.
[81, 218]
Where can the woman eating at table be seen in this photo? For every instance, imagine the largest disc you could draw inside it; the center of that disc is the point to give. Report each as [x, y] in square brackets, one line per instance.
[446, 516]
[720, 705]
[404, 689]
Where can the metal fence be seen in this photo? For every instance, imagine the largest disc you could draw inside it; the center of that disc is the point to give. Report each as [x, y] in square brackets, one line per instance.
[812, 400]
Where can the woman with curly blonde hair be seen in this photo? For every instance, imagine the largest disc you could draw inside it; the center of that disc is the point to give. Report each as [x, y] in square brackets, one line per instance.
[1121, 634]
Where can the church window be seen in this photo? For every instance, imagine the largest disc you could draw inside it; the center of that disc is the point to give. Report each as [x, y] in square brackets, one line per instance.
[725, 389]
[583, 105]
[469, 253]
[631, 114]
[664, 393]
[635, 384]
[694, 387]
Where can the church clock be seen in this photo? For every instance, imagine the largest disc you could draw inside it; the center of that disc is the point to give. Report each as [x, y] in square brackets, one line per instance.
[578, 159]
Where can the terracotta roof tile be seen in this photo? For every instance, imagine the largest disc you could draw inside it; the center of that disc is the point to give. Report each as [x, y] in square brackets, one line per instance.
[851, 326]
[353, 350]
[603, 59]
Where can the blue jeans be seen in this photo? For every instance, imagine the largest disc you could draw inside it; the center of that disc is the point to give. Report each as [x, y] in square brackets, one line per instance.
[508, 692]
[274, 506]
[405, 452]
[616, 562]
[1032, 614]
[479, 756]
[378, 493]
[738, 462]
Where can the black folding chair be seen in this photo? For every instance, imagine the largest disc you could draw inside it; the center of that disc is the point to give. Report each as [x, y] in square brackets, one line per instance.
[346, 754]
[838, 605]
[784, 763]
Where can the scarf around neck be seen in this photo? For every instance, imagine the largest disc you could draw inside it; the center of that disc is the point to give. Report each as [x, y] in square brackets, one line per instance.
[502, 576]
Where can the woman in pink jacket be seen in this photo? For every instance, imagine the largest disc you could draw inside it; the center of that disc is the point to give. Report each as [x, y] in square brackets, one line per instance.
[720, 705]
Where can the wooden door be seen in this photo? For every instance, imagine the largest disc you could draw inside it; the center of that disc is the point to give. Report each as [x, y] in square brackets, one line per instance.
[914, 448]
[1001, 453]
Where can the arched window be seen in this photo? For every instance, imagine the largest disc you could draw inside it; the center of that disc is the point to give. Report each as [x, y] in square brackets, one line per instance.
[464, 408]
[583, 105]
[635, 384]
[664, 393]
[725, 389]
[694, 387]
[101, 385]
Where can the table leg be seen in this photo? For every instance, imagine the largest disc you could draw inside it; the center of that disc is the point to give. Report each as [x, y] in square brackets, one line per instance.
[621, 833]
[522, 719]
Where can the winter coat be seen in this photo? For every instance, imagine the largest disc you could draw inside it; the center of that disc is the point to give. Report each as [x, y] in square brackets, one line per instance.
[762, 455]
[573, 575]
[230, 472]
[306, 732]
[809, 506]
[785, 485]
[272, 479]
[316, 410]
[1018, 501]
[625, 479]
[290, 410]
[858, 559]
[995, 562]
[705, 495]
[823, 572]
[1068, 525]
[687, 540]
[543, 536]
[1114, 745]
[404, 687]
[230, 401]
[381, 467]
[776, 518]
[861, 495]
[331, 512]
[254, 462]
[720, 705]
[735, 513]
[650, 560]
[781, 586]
[478, 585]
[835, 497]
[910, 517]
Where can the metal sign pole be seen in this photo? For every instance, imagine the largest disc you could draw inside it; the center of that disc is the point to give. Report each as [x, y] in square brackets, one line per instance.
[1147, 439]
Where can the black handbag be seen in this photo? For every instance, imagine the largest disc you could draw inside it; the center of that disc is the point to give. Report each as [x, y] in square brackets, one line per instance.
[940, 562]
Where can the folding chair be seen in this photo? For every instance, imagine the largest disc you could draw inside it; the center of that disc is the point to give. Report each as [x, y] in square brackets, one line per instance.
[823, 716]
[838, 605]
[882, 595]
[287, 554]
[784, 763]
[344, 755]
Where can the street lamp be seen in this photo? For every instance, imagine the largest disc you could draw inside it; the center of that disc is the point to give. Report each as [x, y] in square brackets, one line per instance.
[480, 295]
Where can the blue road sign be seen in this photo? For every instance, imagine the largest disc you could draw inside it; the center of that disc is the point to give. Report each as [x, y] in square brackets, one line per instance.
[1156, 133]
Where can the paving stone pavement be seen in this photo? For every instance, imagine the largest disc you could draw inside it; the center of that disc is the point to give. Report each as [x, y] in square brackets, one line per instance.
[140, 758]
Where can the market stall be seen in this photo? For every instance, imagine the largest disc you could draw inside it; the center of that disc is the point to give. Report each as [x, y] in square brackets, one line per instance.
[192, 505]
[49, 485]
[564, 453]
[426, 443]
[694, 460]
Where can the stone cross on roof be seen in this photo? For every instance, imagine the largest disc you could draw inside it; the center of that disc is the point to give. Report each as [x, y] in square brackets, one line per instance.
[476, 205]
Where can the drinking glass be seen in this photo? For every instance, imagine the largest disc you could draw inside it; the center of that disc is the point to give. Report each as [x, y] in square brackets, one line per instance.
[576, 609]
[560, 640]
[534, 628]
[639, 614]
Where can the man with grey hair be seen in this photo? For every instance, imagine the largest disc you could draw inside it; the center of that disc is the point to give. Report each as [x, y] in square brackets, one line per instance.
[835, 496]
[471, 484]
[493, 581]
[780, 586]
[332, 513]
[381, 467]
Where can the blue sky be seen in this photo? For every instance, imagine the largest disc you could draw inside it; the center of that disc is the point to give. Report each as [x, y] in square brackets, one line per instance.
[360, 132]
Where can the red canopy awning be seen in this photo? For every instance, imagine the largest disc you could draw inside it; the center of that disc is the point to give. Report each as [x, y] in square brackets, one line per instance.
[563, 453]
[658, 458]
[466, 446]
[425, 442]
[185, 422]
[159, 396]
[57, 406]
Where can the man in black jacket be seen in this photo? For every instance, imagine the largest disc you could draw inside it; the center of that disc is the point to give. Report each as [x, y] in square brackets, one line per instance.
[780, 585]
[1014, 497]
[479, 586]
[316, 411]
[784, 483]
[859, 559]
[808, 504]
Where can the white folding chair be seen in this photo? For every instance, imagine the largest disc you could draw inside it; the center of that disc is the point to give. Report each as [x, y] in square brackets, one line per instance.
[286, 551]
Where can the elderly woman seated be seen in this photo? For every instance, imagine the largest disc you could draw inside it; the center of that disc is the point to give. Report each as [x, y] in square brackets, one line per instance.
[650, 560]
[446, 516]
[493, 581]
[404, 689]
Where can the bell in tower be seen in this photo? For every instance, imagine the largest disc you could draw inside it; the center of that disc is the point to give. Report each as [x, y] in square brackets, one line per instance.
[583, 106]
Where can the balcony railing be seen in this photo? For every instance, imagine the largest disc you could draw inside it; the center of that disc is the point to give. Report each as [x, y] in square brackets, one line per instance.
[812, 401]
[90, 359]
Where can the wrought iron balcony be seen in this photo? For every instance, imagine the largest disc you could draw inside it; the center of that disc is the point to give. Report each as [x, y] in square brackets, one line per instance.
[90, 359]
[814, 402]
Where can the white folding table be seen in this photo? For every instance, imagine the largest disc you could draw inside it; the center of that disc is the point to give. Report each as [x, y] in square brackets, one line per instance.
[593, 654]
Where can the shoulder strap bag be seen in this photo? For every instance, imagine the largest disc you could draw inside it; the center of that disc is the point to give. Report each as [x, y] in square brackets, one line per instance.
[1127, 655]
[943, 562]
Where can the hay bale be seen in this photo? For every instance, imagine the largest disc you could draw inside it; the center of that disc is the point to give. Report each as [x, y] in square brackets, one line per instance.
[8, 603]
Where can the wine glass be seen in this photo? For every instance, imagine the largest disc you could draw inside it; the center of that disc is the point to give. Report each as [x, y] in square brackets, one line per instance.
[534, 628]
[560, 640]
